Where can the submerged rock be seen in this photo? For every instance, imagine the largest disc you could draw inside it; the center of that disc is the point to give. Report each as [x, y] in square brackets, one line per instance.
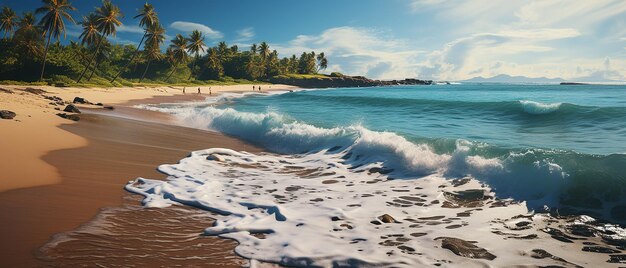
[386, 218]
[6, 114]
[465, 249]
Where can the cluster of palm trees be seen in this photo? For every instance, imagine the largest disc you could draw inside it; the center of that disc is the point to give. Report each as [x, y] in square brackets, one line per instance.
[104, 22]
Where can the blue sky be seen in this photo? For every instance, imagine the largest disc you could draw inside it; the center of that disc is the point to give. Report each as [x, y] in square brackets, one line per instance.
[433, 39]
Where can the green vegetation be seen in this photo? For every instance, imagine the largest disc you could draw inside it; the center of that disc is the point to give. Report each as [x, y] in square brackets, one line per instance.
[31, 53]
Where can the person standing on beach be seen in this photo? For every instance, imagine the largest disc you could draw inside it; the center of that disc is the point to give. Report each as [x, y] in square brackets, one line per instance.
[210, 92]
[259, 88]
[183, 90]
[253, 88]
[198, 90]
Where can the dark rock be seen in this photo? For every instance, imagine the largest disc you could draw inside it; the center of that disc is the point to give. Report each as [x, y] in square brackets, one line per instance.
[459, 182]
[386, 218]
[35, 91]
[6, 114]
[599, 249]
[72, 117]
[617, 258]
[71, 109]
[99, 104]
[5, 90]
[80, 100]
[559, 235]
[465, 249]
[109, 107]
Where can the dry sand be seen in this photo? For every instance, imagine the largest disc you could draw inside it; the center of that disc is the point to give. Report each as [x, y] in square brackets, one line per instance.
[58, 173]
[33, 132]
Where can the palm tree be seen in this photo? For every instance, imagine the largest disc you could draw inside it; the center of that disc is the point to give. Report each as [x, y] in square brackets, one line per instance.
[27, 24]
[8, 21]
[178, 49]
[90, 32]
[28, 37]
[322, 62]
[223, 51]
[264, 51]
[107, 23]
[154, 39]
[196, 44]
[53, 23]
[253, 49]
[148, 19]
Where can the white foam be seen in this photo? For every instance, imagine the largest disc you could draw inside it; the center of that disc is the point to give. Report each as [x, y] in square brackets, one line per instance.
[317, 209]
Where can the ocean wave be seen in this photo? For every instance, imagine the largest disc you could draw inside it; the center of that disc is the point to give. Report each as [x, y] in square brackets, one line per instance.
[533, 107]
[517, 109]
[334, 186]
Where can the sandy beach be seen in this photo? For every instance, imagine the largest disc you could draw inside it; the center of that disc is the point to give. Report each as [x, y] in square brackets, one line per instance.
[58, 173]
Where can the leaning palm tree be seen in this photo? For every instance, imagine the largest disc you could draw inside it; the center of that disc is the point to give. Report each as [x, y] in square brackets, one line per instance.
[8, 21]
[148, 19]
[152, 53]
[107, 23]
[264, 51]
[178, 50]
[154, 39]
[52, 22]
[196, 45]
[322, 62]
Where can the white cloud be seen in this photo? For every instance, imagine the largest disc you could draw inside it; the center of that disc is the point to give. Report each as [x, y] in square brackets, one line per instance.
[245, 34]
[130, 29]
[524, 37]
[358, 51]
[186, 26]
[465, 56]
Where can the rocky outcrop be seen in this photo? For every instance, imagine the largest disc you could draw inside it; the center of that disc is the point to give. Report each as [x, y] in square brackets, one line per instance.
[342, 81]
[6, 114]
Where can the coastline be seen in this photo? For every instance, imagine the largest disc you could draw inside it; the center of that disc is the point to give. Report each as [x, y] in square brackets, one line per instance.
[87, 173]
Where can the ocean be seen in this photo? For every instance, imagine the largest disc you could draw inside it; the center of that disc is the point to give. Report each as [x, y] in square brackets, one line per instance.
[442, 161]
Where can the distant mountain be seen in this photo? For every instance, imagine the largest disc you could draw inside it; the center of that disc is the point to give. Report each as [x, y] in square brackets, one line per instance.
[503, 78]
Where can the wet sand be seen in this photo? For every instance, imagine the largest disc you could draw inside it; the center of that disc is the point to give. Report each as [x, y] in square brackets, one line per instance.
[93, 177]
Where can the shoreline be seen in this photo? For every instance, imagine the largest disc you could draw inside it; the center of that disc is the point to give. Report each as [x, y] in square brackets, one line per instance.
[111, 150]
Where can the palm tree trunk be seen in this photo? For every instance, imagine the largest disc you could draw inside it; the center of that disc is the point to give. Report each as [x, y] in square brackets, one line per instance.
[131, 58]
[92, 59]
[145, 71]
[193, 67]
[171, 73]
[45, 56]
[94, 69]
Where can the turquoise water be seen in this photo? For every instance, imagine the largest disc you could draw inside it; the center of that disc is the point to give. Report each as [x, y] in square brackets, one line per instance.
[584, 119]
[551, 146]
